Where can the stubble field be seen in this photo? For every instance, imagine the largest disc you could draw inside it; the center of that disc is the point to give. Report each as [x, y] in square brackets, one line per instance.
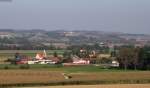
[101, 86]
[46, 77]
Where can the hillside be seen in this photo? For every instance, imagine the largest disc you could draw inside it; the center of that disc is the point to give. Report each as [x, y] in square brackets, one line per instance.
[61, 39]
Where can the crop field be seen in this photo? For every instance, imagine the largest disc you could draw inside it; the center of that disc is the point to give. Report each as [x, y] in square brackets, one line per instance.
[30, 51]
[28, 76]
[47, 77]
[101, 86]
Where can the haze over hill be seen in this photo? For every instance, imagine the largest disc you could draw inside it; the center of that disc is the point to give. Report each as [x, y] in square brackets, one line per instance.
[40, 39]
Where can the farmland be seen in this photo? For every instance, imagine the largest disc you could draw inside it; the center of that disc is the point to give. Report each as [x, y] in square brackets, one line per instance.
[101, 86]
[30, 51]
[10, 53]
[52, 75]
[45, 77]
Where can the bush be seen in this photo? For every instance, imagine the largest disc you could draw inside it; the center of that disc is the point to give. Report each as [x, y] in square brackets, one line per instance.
[24, 67]
[6, 67]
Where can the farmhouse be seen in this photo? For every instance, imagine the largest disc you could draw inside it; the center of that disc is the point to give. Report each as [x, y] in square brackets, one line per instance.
[78, 61]
[22, 59]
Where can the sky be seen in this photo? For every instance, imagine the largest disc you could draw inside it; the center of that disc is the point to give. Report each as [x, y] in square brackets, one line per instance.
[128, 16]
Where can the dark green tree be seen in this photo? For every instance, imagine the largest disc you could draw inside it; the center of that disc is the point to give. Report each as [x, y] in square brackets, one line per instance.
[55, 54]
[125, 57]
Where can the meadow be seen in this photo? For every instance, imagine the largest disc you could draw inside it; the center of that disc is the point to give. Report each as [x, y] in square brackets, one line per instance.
[30, 51]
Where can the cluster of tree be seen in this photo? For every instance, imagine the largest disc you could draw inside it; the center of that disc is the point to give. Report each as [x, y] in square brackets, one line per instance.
[96, 47]
[19, 43]
[6, 40]
[134, 58]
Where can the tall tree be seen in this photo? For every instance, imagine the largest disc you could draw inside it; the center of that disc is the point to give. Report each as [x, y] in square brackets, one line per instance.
[136, 57]
[144, 58]
[55, 54]
[125, 57]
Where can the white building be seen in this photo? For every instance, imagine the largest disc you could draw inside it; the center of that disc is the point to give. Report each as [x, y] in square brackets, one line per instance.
[115, 64]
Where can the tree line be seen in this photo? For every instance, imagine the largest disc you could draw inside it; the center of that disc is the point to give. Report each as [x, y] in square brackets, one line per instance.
[134, 58]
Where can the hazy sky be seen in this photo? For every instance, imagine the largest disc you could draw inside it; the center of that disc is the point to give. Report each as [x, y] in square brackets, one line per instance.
[132, 16]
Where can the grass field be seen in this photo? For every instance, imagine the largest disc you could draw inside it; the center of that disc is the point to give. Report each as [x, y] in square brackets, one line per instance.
[30, 51]
[100, 86]
[60, 67]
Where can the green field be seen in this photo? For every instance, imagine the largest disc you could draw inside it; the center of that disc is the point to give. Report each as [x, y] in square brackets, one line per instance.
[59, 67]
[30, 51]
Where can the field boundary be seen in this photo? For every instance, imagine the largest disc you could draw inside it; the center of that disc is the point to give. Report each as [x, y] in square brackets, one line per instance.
[89, 82]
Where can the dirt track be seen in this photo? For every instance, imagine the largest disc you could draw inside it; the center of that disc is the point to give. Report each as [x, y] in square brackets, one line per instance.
[101, 86]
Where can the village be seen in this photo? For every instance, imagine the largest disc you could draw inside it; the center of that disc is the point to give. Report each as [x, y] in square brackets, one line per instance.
[74, 60]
